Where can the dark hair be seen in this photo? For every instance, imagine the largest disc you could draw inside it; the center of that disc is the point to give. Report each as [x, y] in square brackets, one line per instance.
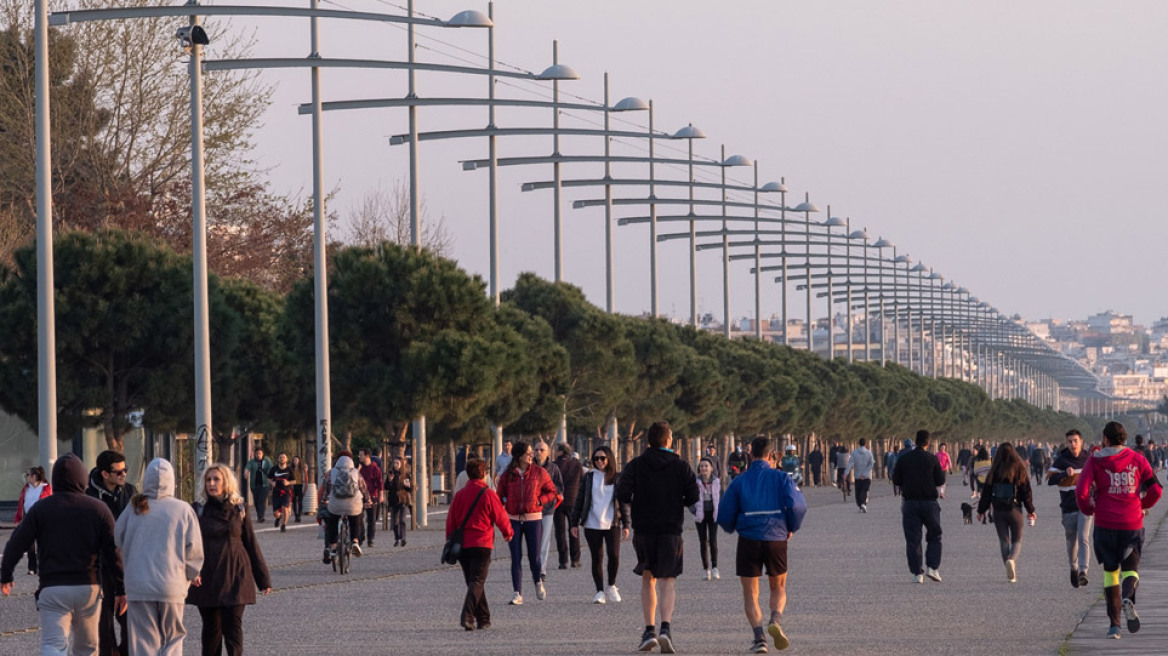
[982, 454]
[476, 469]
[1139, 440]
[659, 434]
[517, 451]
[1074, 431]
[759, 447]
[609, 464]
[1007, 467]
[141, 504]
[342, 453]
[1114, 433]
[922, 438]
[863, 442]
[564, 448]
[107, 459]
[37, 472]
[258, 447]
[364, 452]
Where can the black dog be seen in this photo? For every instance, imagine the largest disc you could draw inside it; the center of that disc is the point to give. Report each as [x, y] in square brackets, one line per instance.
[966, 513]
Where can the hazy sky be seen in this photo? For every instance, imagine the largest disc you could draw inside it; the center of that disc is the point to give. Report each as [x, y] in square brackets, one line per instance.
[1017, 148]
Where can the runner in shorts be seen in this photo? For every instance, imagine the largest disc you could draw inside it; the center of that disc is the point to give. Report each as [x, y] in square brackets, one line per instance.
[765, 508]
[659, 486]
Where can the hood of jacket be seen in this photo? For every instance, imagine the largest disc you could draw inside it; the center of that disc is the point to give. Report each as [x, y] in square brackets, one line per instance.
[159, 479]
[344, 462]
[69, 475]
[657, 459]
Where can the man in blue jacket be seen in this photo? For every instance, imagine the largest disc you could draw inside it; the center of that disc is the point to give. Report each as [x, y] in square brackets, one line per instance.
[766, 508]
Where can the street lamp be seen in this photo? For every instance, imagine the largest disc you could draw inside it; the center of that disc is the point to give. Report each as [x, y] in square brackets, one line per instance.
[555, 73]
[781, 188]
[806, 207]
[881, 244]
[727, 162]
[858, 234]
[689, 133]
[831, 222]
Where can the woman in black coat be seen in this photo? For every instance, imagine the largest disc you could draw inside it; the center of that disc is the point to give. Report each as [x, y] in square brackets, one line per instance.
[233, 567]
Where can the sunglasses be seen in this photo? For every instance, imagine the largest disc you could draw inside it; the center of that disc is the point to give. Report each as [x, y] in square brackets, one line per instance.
[600, 458]
[117, 472]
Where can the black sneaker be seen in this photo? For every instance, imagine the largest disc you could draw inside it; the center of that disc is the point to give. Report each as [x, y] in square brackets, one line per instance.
[563, 565]
[543, 578]
[284, 528]
[1133, 618]
[1082, 579]
[328, 557]
[648, 641]
[665, 641]
[1074, 579]
[370, 543]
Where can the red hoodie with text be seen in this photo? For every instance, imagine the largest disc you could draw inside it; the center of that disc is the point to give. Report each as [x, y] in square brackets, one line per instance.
[1117, 485]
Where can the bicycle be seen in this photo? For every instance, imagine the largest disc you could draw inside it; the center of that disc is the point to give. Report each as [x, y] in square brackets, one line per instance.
[344, 546]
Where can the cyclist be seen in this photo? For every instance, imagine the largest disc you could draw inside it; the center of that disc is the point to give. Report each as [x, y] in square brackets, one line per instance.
[790, 464]
[347, 495]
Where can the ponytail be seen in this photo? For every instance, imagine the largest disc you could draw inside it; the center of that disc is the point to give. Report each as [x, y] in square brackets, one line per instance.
[141, 504]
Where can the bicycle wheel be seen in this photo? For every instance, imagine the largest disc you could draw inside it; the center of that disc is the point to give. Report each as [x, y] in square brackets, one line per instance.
[343, 545]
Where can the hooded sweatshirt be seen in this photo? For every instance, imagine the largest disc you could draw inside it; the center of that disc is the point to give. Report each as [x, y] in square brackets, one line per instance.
[659, 486]
[1057, 475]
[861, 463]
[162, 547]
[351, 506]
[1117, 485]
[74, 534]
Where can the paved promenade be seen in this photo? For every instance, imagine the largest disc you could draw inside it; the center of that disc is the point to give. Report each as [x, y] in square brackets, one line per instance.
[850, 592]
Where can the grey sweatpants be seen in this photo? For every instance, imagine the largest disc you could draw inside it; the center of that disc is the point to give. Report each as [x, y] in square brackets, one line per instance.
[69, 613]
[1077, 527]
[156, 628]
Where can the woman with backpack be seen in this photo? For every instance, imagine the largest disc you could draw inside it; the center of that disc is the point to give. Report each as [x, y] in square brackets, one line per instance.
[345, 490]
[524, 489]
[399, 489]
[476, 510]
[605, 521]
[1007, 489]
[233, 565]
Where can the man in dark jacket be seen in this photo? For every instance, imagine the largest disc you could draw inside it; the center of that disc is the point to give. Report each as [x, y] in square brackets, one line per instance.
[543, 458]
[74, 536]
[918, 473]
[1065, 474]
[107, 484]
[815, 464]
[571, 470]
[659, 486]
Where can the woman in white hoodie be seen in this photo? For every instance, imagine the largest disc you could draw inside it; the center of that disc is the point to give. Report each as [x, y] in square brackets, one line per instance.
[162, 550]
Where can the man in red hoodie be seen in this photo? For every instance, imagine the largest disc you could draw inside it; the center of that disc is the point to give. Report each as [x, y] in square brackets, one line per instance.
[1117, 486]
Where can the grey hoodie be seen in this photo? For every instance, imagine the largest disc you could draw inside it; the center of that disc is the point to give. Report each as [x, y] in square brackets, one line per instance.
[163, 548]
[351, 506]
[861, 463]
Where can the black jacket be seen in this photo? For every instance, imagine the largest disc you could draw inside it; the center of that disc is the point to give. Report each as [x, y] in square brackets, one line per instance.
[233, 566]
[660, 486]
[583, 504]
[117, 500]
[74, 535]
[1062, 463]
[918, 473]
[571, 470]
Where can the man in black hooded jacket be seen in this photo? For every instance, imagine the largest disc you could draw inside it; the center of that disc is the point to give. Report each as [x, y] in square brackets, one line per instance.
[74, 536]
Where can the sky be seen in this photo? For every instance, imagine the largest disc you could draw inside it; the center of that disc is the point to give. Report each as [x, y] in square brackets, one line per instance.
[1017, 148]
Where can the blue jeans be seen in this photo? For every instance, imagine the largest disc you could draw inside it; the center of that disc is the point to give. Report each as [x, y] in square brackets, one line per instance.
[532, 533]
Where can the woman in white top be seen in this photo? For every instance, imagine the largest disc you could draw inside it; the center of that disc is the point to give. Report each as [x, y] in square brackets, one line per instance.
[35, 488]
[603, 519]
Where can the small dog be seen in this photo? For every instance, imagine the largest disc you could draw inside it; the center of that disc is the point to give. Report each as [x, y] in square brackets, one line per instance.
[966, 513]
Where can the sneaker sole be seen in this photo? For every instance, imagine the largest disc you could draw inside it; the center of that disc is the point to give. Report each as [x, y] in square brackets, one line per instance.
[1133, 618]
[666, 644]
[780, 638]
[648, 645]
[933, 578]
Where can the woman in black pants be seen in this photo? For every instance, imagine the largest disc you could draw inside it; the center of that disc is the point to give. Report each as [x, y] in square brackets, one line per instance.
[1007, 488]
[605, 521]
[398, 488]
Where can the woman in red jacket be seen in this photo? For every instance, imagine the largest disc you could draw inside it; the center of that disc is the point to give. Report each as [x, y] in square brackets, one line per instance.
[478, 539]
[524, 490]
[35, 488]
[1117, 486]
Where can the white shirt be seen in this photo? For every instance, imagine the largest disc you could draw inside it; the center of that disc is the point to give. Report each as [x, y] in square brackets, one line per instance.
[32, 496]
[601, 514]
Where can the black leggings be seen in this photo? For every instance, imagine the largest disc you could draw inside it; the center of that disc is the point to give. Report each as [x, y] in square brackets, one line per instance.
[222, 625]
[708, 542]
[1008, 522]
[610, 538]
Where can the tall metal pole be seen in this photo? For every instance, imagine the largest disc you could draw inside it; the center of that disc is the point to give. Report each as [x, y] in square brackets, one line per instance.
[324, 456]
[810, 320]
[422, 479]
[725, 256]
[608, 266]
[848, 282]
[203, 423]
[46, 312]
[830, 309]
[757, 265]
[559, 234]
[652, 220]
[783, 256]
[693, 247]
[496, 431]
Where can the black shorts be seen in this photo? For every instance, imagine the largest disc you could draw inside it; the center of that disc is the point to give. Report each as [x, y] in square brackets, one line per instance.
[658, 553]
[753, 554]
[281, 498]
[1114, 545]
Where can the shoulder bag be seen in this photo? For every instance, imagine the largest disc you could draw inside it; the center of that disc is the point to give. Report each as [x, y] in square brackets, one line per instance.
[453, 547]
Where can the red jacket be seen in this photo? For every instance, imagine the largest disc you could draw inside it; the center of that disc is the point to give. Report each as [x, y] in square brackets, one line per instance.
[372, 475]
[488, 513]
[1116, 485]
[526, 492]
[46, 491]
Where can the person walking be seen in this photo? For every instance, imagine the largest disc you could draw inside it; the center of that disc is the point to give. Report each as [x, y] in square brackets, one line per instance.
[890, 458]
[35, 488]
[919, 475]
[75, 537]
[503, 459]
[706, 517]
[299, 476]
[477, 508]
[815, 464]
[1008, 487]
[842, 458]
[736, 462]
[281, 477]
[1064, 473]
[543, 459]
[981, 467]
[658, 485]
[1118, 486]
[765, 508]
[860, 467]
[399, 492]
[233, 564]
[605, 521]
[255, 474]
[568, 544]
[524, 489]
[345, 490]
[163, 552]
[107, 483]
[374, 483]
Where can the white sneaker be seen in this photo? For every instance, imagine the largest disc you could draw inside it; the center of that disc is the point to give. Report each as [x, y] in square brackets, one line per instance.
[933, 574]
[599, 598]
[864, 508]
[540, 591]
[516, 600]
[1011, 574]
[919, 578]
[717, 576]
[707, 576]
[613, 594]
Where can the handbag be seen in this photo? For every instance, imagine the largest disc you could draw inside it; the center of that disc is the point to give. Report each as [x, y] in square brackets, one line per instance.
[453, 547]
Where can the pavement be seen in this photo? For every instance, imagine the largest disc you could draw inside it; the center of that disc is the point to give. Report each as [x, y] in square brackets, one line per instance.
[849, 592]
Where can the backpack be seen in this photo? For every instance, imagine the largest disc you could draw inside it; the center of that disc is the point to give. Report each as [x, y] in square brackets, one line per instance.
[1004, 493]
[347, 484]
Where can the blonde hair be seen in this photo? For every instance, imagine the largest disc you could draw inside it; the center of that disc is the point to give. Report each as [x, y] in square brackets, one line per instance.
[230, 484]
